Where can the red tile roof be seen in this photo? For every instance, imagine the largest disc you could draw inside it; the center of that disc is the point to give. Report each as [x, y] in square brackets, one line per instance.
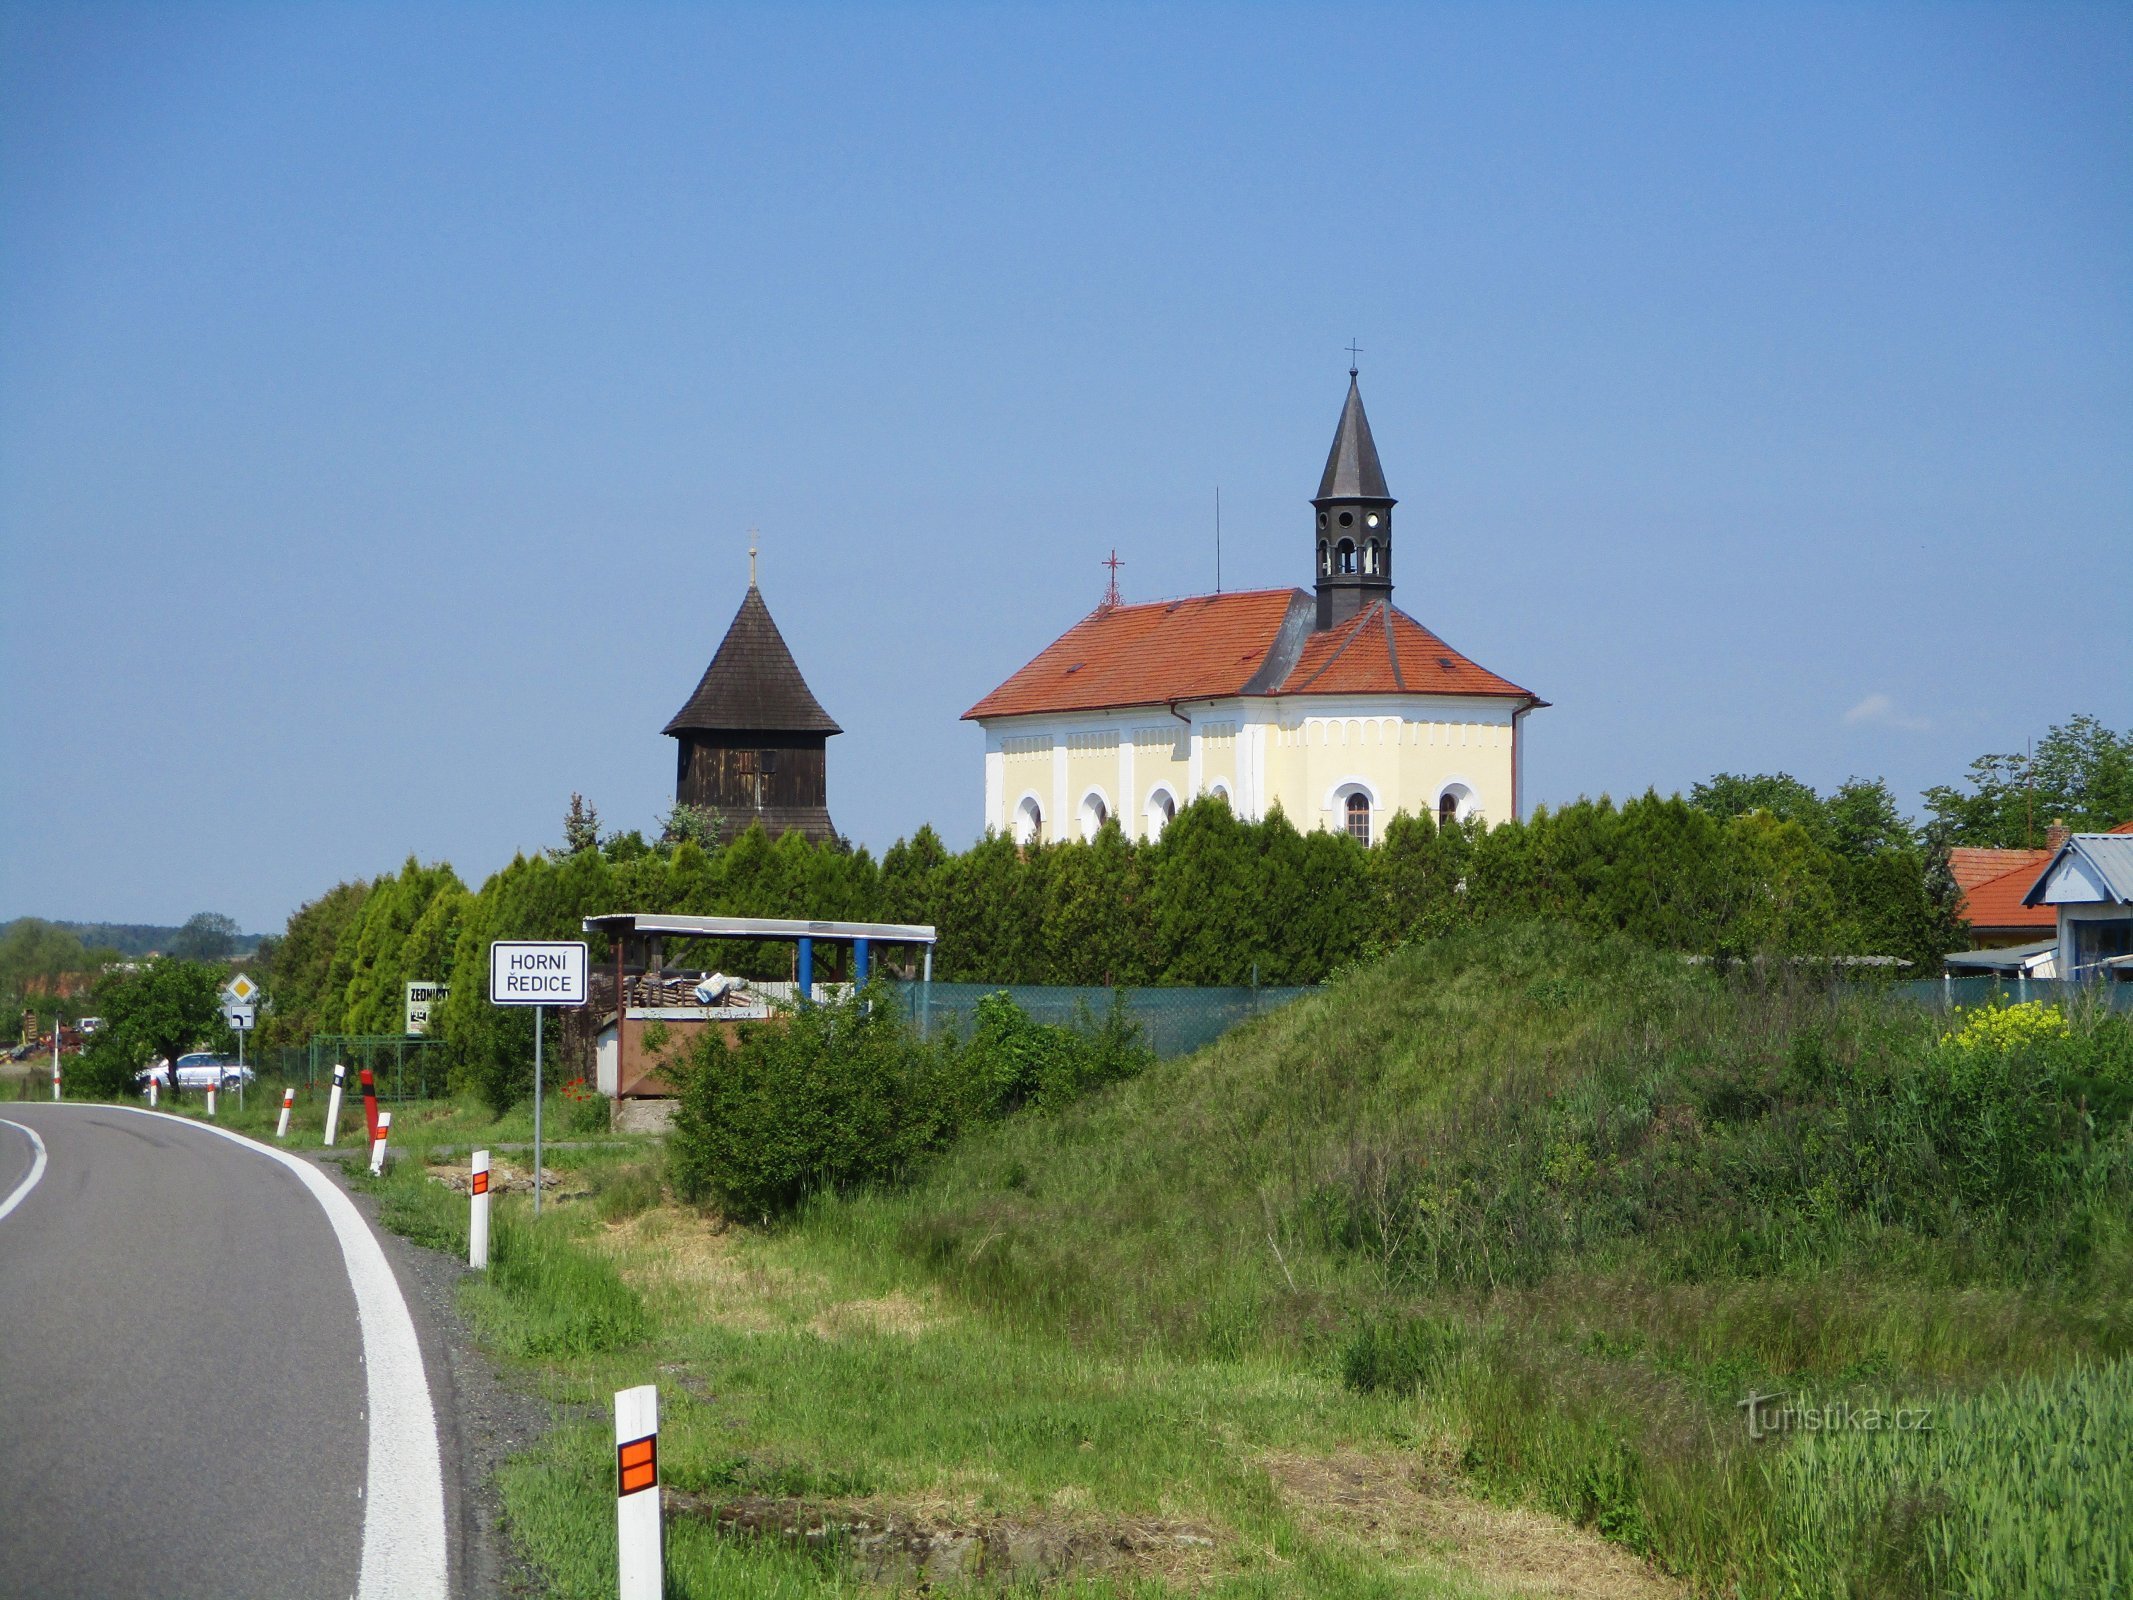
[1975, 864]
[1996, 903]
[1382, 650]
[1257, 642]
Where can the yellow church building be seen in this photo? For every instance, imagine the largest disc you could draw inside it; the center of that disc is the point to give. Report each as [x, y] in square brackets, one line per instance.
[1334, 705]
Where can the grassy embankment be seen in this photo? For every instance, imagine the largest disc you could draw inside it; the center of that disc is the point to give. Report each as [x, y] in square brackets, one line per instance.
[1519, 1216]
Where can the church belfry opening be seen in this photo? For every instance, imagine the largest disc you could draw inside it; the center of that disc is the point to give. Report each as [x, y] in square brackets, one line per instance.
[1354, 520]
[752, 742]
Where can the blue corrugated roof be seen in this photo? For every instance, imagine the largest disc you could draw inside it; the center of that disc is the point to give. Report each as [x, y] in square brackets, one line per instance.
[2108, 855]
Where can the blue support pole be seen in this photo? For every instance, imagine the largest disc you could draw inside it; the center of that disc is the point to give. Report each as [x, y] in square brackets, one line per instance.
[807, 971]
[859, 963]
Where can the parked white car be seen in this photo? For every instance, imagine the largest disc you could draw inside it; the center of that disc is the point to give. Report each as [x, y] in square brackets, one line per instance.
[198, 1070]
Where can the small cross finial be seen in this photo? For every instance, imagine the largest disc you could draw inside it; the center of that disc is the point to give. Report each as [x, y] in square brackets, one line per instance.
[1111, 594]
[1354, 350]
[751, 558]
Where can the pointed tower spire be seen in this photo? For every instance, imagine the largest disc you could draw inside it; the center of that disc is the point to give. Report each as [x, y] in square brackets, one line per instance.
[1354, 519]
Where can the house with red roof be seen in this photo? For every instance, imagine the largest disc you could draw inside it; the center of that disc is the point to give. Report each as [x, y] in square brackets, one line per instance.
[1330, 703]
[1992, 884]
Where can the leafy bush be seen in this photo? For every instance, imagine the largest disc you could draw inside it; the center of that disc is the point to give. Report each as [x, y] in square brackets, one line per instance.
[844, 1095]
[831, 1096]
[1012, 1061]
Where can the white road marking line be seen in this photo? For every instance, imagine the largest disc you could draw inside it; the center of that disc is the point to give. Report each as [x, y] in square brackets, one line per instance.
[403, 1519]
[36, 1168]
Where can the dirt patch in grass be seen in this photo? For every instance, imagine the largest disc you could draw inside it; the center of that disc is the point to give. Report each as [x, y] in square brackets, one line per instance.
[669, 1251]
[895, 1312]
[902, 1546]
[1395, 1505]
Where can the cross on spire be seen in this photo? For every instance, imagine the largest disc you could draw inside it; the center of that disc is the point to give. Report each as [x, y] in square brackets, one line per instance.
[1354, 350]
[1111, 594]
[751, 558]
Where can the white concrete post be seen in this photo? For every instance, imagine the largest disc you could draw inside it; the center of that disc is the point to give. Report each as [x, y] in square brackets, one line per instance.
[210, 1094]
[641, 1567]
[377, 1147]
[151, 1094]
[333, 1105]
[55, 1055]
[478, 1227]
[288, 1104]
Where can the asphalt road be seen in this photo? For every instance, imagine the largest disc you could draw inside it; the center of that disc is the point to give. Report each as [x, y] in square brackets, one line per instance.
[183, 1385]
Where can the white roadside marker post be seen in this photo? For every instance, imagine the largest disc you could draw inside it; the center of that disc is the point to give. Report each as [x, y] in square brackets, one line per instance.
[55, 1055]
[211, 1097]
[377, 1148]
[151, 1094]
[333, 1104]
[641, 1567]
[478, 1227]
[288, 1104]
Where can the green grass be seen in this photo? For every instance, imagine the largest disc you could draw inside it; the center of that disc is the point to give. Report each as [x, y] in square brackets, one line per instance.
[1526, 1209]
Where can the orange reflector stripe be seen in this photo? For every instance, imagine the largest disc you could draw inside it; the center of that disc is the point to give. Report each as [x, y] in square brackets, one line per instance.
[481, 1183]
[637, 1464]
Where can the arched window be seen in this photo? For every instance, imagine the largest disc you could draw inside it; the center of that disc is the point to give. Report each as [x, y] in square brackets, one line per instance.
[1162, 812]
[1094, 813]
[1447, 809]
[1344, 556]
[1029, 821]
[1218, 790]
[1370, 556]
[1358, 809]
[1323, 558]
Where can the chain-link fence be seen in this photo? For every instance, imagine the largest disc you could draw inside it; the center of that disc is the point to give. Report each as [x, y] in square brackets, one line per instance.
[1173, 1022]
[403, 1066]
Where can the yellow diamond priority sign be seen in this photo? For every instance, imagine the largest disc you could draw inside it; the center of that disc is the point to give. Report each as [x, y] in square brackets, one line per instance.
[242, 990]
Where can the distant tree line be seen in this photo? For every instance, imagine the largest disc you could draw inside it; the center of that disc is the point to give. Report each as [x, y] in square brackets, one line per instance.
[1745, 865]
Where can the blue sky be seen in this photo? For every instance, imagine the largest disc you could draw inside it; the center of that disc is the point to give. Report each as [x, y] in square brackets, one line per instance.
[386, 392]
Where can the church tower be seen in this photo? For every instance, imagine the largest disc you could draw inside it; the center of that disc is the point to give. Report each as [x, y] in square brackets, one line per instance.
[1354, 520]
[751, 738]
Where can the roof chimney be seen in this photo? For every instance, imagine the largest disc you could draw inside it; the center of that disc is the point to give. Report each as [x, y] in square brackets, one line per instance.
[2057, 834]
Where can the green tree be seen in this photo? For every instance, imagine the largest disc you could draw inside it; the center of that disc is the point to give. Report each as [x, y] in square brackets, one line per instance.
[302, 967]
[581, 828]
[1205, 880]
[159, 1011]
[373, 1000]
[1860, 818]
[207, 936]
[1092, 916]
[910, 877]
[2080, 773]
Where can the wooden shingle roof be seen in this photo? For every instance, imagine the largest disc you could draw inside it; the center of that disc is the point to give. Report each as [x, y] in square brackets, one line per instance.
[753, 683]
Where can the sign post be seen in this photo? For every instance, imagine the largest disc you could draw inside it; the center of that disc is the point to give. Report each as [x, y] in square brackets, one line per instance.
[240, 999]
[422, 999]
[539, 973]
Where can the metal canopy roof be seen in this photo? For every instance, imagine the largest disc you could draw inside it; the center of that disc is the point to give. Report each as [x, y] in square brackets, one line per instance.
[2006, 959]
[625, 924]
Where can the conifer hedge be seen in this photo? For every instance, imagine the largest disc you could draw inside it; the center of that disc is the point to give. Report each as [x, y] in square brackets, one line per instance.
[1217, 900]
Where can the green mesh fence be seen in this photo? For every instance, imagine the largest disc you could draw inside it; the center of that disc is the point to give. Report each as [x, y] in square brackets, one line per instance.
[1174, 1022]
[1947, 993]
[404, 1067]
